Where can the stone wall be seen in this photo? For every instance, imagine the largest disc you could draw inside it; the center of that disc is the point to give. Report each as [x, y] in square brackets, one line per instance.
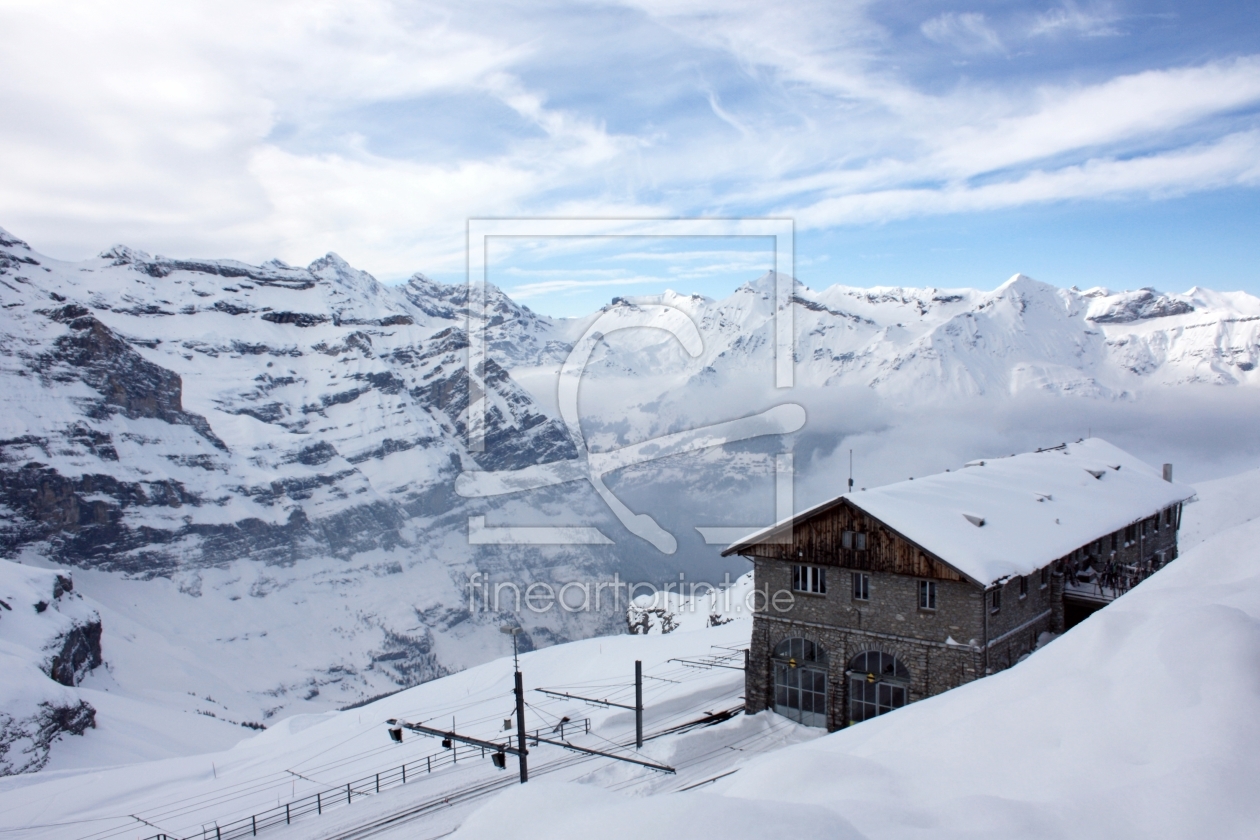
[934, 666]
[893, 607]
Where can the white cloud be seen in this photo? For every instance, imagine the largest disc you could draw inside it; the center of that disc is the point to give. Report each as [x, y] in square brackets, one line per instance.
[1070, 18]
[1234, 160]
[965, 31]
[1132, 108]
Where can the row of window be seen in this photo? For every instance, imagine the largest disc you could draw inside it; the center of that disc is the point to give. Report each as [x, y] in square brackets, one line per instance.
[813, 579]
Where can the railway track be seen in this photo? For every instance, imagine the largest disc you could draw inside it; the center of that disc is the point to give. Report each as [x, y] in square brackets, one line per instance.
[482, 789]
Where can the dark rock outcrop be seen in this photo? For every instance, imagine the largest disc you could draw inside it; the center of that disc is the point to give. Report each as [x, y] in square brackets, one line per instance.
[127, 382]
[1140, 306]
[25, 741]
[79, 654]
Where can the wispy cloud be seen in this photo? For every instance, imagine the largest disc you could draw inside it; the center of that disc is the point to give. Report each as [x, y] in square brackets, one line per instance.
[1071, 19]
[968, 32]
[1234, 160]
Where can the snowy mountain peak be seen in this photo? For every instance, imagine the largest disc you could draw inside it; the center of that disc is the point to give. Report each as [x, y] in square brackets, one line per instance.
[766, 284]
[124, 255]
[1024, 284]
[333, 268]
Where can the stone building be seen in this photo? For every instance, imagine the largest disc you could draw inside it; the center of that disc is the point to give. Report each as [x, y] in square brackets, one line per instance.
[881, 597]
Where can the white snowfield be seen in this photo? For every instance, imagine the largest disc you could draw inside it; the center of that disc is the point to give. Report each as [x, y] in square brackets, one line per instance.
[1000, 517]
[1142, 722]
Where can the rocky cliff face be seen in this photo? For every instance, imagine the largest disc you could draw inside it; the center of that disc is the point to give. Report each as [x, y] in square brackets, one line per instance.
[200, 422]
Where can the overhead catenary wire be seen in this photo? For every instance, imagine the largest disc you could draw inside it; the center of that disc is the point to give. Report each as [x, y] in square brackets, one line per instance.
[318, 774]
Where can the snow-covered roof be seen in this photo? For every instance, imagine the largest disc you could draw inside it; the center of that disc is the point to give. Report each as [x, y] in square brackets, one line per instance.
[1011, 516]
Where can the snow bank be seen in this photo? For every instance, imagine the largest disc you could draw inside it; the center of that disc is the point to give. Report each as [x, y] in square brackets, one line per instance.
[1142, 722]
[1219, 505]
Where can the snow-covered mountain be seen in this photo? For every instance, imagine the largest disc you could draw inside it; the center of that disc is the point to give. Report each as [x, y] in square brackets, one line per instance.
[252, 468]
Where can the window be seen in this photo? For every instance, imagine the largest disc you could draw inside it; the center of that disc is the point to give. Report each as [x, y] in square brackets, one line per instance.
[927, 594]
[995, 600]
[809, 579]
[800, 681]
[861, 586]
[1130, 535]
[878, 683]
[1045, 577]
[846, 539]
[1023, 586]
[853, 539]
[1115, 541]
[859, 541]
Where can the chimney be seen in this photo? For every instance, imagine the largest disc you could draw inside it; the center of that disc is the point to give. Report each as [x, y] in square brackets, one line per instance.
[1167, 472]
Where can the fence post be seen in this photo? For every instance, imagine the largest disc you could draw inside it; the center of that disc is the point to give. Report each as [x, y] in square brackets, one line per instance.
[347, 793]
[253, 824]
[286, 813]
[428, 763]
[404, 781]
[378, 782]
[319, 805]
[217, 835]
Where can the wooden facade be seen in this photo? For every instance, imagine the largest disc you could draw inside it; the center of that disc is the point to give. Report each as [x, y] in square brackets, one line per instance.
[819, 540]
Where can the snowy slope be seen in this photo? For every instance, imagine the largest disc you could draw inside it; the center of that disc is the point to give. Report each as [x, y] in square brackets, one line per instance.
[182, 794]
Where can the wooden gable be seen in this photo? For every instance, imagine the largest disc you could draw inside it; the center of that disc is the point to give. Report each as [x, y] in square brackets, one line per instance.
[817, 539]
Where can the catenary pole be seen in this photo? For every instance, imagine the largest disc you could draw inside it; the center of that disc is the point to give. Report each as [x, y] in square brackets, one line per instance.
[638, 704]
[520, 727]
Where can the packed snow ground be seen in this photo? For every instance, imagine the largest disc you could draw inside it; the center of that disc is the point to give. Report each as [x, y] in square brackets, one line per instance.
[1144, 721]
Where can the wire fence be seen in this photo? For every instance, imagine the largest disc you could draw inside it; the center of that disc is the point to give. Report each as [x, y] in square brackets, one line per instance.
[334, 797]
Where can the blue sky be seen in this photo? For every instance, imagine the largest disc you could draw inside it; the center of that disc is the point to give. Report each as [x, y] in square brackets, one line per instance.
[947, 144]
